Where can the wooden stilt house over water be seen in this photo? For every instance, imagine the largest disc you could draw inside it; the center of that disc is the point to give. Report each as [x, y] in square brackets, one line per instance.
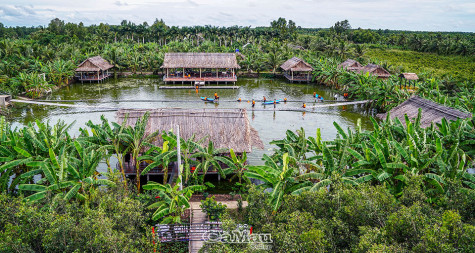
[351, 65]
[93, 69]
[431, 112]
[297, 70]
[200, 68]
[410, 78]
[226, 128]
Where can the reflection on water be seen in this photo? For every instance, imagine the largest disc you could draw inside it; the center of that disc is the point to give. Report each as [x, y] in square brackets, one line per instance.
[270, 124]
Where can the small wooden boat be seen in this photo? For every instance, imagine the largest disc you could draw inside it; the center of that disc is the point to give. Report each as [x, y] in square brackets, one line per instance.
[271, 102]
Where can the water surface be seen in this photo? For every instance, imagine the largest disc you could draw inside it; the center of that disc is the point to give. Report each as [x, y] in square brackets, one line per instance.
[270, 124]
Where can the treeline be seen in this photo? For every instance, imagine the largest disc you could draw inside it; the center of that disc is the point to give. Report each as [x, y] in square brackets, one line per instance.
[448, 43]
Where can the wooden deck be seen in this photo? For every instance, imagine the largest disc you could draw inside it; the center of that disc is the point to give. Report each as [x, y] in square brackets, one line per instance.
[200, 87]
[94, 78]
[192, 80]
[298, 78]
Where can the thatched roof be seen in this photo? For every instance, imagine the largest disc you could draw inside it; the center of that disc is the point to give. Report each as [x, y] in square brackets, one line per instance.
[295, 47]
[409, 76]
[200, 60]
[226, 128]
[94, 64]
[375, 70]
[431, 112]
[296, 64]
[350, 64]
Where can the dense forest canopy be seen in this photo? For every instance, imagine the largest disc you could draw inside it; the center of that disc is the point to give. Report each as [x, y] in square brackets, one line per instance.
[458, 43]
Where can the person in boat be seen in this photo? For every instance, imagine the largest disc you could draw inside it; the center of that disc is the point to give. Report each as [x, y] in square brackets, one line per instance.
[216, 95]
[314, 94]
[285, 100]
[345, 95]
[206, 98]
[253, 103]
[304, 105]
[239, 100]
[275, 102]
[264, 98]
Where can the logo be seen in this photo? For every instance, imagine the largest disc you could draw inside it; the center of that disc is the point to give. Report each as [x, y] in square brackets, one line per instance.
[256, 240]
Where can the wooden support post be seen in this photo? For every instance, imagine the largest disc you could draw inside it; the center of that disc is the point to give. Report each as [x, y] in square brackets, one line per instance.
[292, 74]
[200, 72]
[217, 73]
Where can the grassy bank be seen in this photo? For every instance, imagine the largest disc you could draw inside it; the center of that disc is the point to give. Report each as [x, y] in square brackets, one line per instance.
[459, 67]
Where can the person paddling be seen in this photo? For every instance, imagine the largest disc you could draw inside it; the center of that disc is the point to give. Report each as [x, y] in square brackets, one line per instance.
[314, 94]
[264, 99]
[275, 102]
[253, 103]
[304, 105]
[216, 95]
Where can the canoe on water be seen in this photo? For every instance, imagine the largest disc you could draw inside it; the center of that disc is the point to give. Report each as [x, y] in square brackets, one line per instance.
[207, 99]
[271, 102]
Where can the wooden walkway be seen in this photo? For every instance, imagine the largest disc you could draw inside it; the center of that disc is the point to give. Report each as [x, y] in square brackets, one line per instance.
[63, 105]
[279, 107]
[199, 217]
[200, 87]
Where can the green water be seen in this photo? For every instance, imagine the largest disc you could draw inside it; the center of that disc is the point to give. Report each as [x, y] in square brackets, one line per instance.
[270, 124]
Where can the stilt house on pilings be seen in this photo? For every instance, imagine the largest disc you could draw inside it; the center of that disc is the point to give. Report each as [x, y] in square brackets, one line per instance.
[200, 68]
[431, 112]
[410, 78]
[297, 70]
[94, 69]
[226, 128]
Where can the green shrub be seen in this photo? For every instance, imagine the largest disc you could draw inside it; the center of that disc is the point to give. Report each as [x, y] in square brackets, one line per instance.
[213, 209]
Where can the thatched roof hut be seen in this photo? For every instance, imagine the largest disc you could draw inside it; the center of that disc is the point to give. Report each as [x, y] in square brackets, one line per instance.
[226, 128]
[375, 70]
[200, 60]
[409, 76]
[94, 64]
[296, 64]
[431, 112]
[351, 65]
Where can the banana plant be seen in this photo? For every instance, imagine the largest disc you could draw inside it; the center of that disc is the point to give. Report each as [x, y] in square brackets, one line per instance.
[108, 137]
[172, 202]
[160, 157]
[136, 140]
[208, 158]
[279, 178]
[67, 175]
[236, 166]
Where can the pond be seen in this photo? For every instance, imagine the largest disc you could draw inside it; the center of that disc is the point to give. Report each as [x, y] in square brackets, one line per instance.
[270, 124]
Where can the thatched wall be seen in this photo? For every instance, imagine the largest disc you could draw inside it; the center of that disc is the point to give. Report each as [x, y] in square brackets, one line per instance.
[94, 64]
[296, 64]
[226, 128]
[431, 112]
[200, 60]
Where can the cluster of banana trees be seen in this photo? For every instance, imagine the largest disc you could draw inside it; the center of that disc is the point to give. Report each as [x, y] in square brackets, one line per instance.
[43, 161]
[389, 155]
